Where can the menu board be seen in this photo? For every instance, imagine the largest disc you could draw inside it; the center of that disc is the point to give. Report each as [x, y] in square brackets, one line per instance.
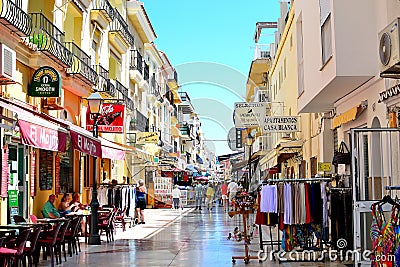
[46, 170]
[58, 170]
[4, 173]
[33, 173]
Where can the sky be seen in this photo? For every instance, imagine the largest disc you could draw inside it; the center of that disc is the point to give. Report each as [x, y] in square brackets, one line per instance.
[211, 45]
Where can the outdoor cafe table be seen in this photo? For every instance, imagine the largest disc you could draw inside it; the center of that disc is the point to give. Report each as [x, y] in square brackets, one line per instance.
[7, 232]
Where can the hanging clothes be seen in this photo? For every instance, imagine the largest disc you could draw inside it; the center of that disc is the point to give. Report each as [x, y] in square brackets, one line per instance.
[269, 198]
[287, 218]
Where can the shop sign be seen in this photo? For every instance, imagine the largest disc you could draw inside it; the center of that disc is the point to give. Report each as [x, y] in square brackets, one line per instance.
[280, 124]
[46, 82]
[146, 138]
[324, 167]
[33, 174]
[85, 144]
[249, 114]
[392, 91]
[13, 198]
[42, 137]
[110, 120]
[4, 172]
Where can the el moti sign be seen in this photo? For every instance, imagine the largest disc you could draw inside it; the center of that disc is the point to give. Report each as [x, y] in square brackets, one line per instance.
[46, 82]
[282, 124]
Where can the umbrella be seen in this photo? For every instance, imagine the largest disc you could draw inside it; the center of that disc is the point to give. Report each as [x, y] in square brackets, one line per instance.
[202, 178]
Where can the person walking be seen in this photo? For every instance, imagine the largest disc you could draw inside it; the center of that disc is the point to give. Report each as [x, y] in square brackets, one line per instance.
[176, 196]
[199, 195]
[224, 192]
[210, 197]
[140, 201]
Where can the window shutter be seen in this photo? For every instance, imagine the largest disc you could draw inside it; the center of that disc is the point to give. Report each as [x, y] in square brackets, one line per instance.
[325, 10]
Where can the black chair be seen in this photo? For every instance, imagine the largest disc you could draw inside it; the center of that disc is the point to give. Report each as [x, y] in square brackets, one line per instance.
[14, 254]
[48, 243]
[71, 236]
[61, 242]
[29, 251]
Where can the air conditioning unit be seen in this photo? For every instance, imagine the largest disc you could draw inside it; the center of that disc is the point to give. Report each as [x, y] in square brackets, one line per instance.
[389, 50]
[8, 61]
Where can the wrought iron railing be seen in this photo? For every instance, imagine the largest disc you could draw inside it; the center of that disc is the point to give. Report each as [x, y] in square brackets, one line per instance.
[119, 25]
[129, 103]
[146, 71]
[81, 64]
[104, 84]
[49, 39]
[122, 89]
[142, 123]
[184, 96]
[104, 5]
[14, 18]
[136, 61]
[185, 129]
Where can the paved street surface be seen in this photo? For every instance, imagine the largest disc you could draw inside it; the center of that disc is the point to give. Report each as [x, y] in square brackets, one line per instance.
[173, 238]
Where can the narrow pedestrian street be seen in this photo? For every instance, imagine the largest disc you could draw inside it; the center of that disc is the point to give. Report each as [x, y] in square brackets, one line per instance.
[175, 238]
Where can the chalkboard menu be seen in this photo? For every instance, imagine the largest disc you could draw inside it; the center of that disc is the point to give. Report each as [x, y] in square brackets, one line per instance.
[46, 170]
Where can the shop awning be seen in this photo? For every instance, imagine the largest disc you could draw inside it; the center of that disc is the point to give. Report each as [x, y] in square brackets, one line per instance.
[83, 141]
[37, 131]
[144, 155]
[175, 131]
[111, 150]
[347, 116]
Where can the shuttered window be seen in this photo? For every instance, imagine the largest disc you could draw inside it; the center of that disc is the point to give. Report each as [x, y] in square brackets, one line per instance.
[326, 40]
[324, 10]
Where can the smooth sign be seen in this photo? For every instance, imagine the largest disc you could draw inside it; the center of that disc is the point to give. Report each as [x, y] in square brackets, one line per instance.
[282, 124]
[249, 114]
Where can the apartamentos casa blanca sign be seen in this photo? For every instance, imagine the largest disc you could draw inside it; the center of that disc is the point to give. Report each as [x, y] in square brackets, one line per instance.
[46, 82]
[249, 114]
[280, 124]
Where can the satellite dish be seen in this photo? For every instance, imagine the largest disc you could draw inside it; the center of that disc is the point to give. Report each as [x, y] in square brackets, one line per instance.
[231, 138]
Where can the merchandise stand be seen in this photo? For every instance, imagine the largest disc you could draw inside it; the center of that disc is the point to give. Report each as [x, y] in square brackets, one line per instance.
[271, 243]
[245, 213]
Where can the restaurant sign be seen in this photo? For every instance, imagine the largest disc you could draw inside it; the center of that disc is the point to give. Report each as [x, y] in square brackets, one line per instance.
[146, 138]
[110, 120]
[46, 82]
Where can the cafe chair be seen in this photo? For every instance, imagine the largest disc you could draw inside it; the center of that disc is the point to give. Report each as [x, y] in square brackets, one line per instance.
[48, 244]
[108, 226]
[33, 218]
[19, 219]
[12, 255]
[61, 242]
[120, 218]
[71, 236]
[29, 251]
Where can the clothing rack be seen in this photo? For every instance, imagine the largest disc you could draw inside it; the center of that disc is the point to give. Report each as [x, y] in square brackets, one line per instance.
[277, 242]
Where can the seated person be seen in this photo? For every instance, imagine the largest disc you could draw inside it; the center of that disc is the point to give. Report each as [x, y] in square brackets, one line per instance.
[65, 207]
[76, 202]
[48, 210]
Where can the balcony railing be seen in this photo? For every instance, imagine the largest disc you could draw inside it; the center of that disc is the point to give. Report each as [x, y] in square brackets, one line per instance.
[119, 25]
[122, 89]
[104, 84]
[81, 64]
[185, 130]
[146, 71]
[105, 6]
[136, 61]
[49, 39]
[262, 51]
[129, 103]
[142, 123]
[184, 96]
[14, 18]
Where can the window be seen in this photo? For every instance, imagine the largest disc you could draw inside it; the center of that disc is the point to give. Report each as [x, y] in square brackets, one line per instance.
[66, 170]
[326, 40]
[300, 60]
[313, 166]
[284, 68]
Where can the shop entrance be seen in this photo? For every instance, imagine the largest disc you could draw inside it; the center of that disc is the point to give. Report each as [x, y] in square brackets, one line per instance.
[375, 174]
[18, 162]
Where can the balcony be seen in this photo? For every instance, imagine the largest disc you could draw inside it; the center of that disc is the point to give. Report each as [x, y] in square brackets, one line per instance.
[141, 122]
[136, 66]
[14, 18]
[102, 13]
[262, 51]
[186, 105]
[81, 65]
[154, 87]
[140, 21]
[49, 40]
[122, 89]
[185, 131]
[104, 84]
[173, 80]
[119, 34]
[146, 71]
[129, 103]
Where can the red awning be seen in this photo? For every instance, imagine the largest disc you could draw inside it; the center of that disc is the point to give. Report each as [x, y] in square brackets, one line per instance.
[112, 150]
[84, 142]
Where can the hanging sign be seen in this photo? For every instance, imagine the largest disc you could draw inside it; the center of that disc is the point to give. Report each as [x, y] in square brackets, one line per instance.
[280, 124]
[58, 172]
[13, 198]
[110, 120]
[4, 173]
[85, 144]
[249, 114]
[33, 174]
[146, 138]
[324, 167]
[46, 82]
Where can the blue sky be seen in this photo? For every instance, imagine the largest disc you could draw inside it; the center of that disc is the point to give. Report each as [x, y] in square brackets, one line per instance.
[211, 45]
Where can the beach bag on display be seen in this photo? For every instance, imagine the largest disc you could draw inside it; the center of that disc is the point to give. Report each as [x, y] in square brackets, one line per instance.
[342, 156]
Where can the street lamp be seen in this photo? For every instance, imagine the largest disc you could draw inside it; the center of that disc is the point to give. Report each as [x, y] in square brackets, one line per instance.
[249, 142]
[94, 101]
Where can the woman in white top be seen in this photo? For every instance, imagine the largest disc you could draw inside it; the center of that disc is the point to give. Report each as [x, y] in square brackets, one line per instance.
[176, 195]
